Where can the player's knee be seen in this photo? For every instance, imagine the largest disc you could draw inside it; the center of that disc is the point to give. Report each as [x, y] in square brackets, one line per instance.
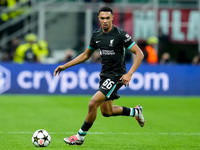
[106, 113]
[92, 105]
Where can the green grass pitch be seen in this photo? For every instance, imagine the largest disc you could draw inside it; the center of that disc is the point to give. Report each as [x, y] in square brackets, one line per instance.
[172, 123]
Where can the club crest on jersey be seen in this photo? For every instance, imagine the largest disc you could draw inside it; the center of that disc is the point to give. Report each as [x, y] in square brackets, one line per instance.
[111, 42]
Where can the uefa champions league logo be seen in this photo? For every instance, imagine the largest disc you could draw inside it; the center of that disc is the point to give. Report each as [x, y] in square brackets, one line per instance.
[5, 79]
[2, 81]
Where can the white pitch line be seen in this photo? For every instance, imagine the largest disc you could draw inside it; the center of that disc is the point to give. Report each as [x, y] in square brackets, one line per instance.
[121, 133]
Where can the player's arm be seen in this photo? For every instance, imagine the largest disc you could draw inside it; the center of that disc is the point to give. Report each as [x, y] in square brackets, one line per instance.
[79, 59]
[136, 63]
[138, 58]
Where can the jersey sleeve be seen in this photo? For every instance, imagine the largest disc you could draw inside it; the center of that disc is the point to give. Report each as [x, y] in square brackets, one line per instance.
[127, 40]
[92, 45]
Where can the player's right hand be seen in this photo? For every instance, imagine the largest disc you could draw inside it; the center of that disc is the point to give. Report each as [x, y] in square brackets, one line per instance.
[126, 79]
[58, 70]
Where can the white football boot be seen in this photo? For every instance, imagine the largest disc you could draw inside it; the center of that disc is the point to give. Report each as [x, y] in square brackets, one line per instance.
[140, 117]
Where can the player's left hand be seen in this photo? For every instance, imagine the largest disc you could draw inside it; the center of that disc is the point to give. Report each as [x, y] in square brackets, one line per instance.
[126, 79]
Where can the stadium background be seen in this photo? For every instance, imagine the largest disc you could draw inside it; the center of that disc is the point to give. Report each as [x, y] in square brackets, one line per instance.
[69, 24]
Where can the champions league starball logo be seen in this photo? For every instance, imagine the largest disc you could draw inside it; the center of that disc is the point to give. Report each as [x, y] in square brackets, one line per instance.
[5, 79]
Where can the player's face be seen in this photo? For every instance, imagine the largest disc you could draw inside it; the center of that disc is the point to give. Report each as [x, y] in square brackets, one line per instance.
[106, 19]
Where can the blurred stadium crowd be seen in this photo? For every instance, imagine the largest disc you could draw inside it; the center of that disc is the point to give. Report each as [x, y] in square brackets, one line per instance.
[26, 46]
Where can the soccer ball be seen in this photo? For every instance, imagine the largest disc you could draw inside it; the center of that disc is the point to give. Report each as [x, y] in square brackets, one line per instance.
[41, 138]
